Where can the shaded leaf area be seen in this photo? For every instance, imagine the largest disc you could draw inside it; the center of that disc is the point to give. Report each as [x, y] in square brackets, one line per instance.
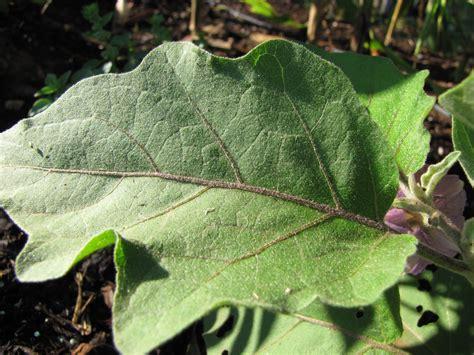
[437, 314]
[460, 102]
[397, 102]
[327, 329]
[36, 318]
[220, 181]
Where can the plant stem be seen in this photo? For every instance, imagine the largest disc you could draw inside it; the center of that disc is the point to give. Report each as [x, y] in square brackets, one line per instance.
[312, 22]
[393, 22]
[193, 21]
[362, 25]
[403, 178]
[454, 265]
[122, 11]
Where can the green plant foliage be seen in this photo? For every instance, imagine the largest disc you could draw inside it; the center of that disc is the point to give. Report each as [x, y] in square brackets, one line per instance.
[435, 172]
[397, 102]
[260, 181]
[374, 45]
[53, 87]
[327, 330]
[39, 105]
[113, 43]
[117, 46]
[265, 9]
[261, 7]
[447, 26]
[160, 32]
[119, 52]
[467, 242]
[440, 294]
[460, 102]
[91, 13]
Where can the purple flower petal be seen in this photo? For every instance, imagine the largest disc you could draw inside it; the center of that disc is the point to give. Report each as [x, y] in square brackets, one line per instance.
[449, 197]
[396, 219]
[416, 264]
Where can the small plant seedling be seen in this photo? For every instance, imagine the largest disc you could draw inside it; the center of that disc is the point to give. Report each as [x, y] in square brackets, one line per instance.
[53, 87]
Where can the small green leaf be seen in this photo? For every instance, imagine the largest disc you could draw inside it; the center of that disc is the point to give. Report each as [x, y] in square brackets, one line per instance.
[228, 181]
[110, 53]
[435, 172]
[45, 90]
[63, 79]
[106, 19]
[396, 102]
[160, 32]
[468, 230]
[91, 13]
[39, 106]
[121, 41]
[437, 314]
[467, 242]
[100, 34]
[262, 8]
[460, 102]
[54, 85]
[51, 80]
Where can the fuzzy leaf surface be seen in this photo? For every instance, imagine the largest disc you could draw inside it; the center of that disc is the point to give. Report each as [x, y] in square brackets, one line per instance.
[437, 314]
[220, 182]
[460, 102]
[397, 102]
[324, 329]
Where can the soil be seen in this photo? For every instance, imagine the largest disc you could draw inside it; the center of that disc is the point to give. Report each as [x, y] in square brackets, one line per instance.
[72, 314]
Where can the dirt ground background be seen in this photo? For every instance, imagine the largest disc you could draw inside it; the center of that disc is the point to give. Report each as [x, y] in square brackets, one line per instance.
[50, 317]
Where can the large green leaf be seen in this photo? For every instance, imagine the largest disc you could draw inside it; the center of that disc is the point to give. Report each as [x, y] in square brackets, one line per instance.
[460, 102]
[444, 295]
[259, 181]
[325, 329]
[397, 102]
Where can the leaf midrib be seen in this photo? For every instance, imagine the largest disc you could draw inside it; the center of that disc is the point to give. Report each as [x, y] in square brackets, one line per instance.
[363, 338]
[423, 343]
[329, 325]
[308, 134]
[336, 212]
[207, 124]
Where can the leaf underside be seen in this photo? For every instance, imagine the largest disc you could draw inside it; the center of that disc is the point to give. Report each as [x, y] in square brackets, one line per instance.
[396, 102]
[437, 319]
[460, 102]
[219, 181]
[324, 329]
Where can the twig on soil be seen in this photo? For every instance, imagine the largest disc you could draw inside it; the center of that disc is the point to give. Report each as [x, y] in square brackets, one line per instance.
[86, 348]
[24, 349]
[64, 323]
[77, 308]
[84, 327]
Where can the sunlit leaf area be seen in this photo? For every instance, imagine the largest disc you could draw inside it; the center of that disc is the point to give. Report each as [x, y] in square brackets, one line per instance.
[236, 177]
